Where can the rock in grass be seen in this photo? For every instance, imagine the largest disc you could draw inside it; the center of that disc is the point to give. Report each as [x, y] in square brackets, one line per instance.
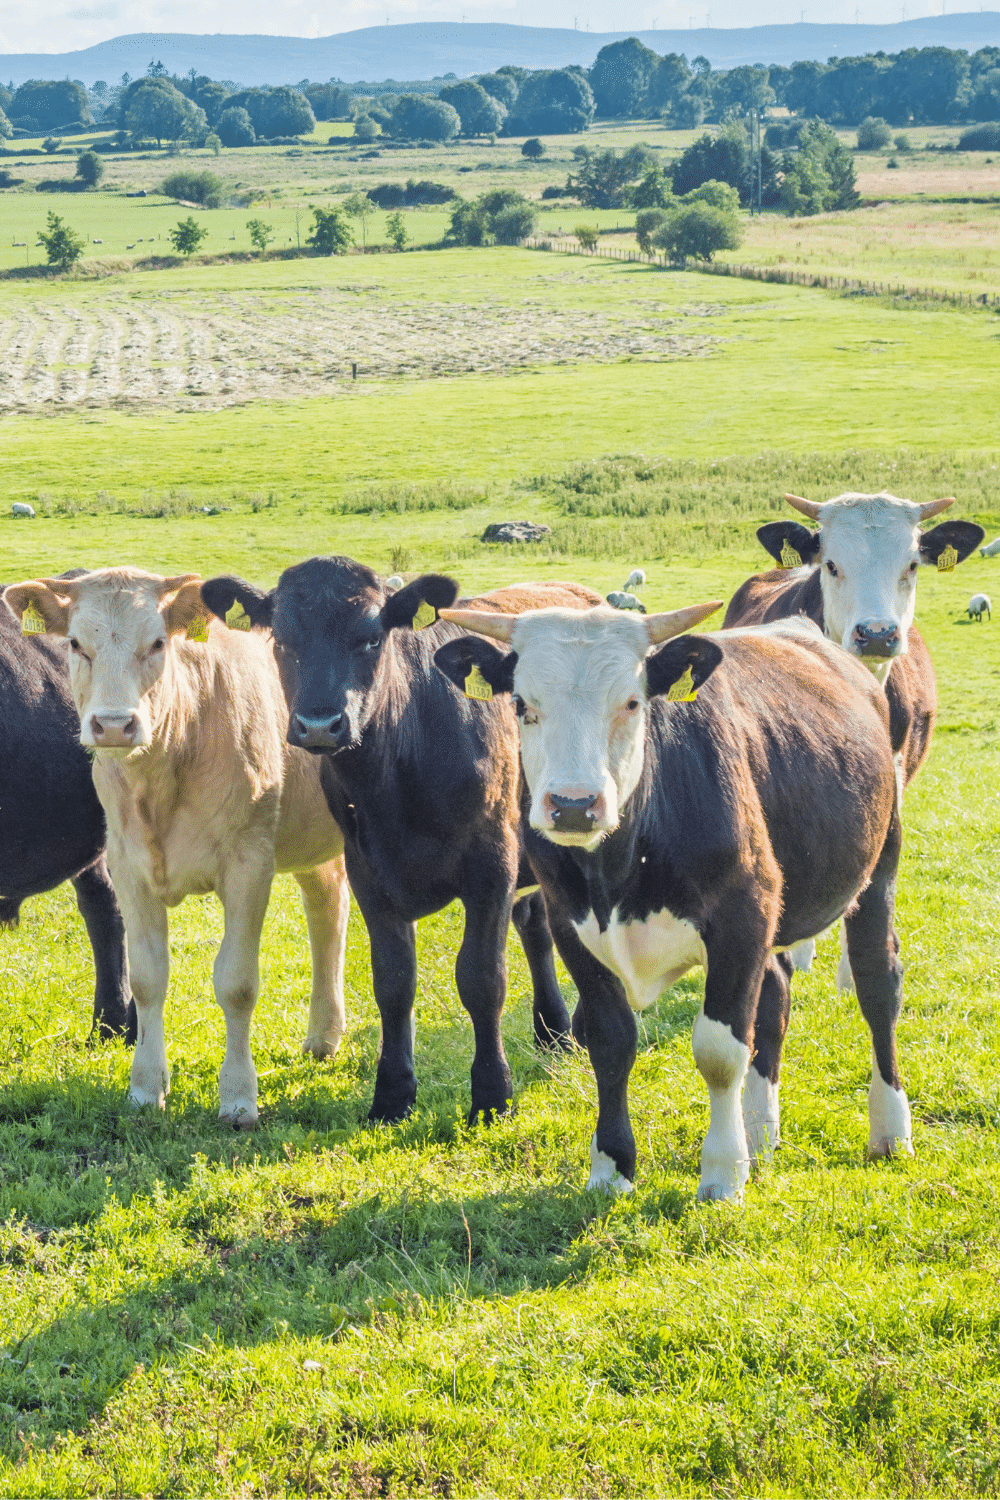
[515, 531]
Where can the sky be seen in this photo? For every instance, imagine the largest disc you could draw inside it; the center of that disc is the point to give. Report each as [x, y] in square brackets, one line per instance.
[65, 25]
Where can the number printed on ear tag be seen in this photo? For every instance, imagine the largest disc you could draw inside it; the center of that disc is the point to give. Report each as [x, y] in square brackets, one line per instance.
[197, 629]
[947, 560]
[237, 617]
[789, 557]
[32, 621]
[425, 615]
[683, 690]
[476, 686]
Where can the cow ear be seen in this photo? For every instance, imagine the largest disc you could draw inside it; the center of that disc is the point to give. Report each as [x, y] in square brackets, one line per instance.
[476, 667]
[238, 603]
[39, 608]
[680, 667]
[183, 609]
[786, 540]
[417, 604]
[962, 537]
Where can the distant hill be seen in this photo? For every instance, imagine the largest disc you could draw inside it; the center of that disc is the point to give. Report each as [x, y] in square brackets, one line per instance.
[429, 50]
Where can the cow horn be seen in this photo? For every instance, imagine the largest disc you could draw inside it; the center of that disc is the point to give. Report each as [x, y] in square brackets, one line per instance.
[500, 627]
[662, 627]
[935, 507]
[180, 581]
[808, 508]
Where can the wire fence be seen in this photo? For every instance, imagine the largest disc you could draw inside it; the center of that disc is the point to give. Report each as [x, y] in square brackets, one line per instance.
[781, 274]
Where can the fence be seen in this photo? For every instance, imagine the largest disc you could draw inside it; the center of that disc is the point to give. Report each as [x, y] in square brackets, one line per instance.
[786, 277]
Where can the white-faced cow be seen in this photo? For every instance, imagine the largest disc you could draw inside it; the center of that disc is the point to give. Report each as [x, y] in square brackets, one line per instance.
[51, 823]
[186, 723]
[424, 784]
[856, 578]
[692, 806]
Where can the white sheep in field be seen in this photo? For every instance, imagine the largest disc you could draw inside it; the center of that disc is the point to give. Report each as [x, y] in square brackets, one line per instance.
[619, 599]
[978, 606]
[21, 510]
[394, 581]
[634, 581]
[992, 549]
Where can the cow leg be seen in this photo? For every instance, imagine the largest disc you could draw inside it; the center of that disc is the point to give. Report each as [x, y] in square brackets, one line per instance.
[873, 950]
[326, 897]
[394, 979]
[149, 970]
[244, 890]
[761, 1116]
[481, 977]
[845, 978]
[611, 1039]
[114, 1009]
[550, 1014]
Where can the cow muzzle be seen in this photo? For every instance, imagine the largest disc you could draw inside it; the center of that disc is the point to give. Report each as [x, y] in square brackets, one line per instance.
[576, 820]
[330, 732]
[112, 730]
[878, 639]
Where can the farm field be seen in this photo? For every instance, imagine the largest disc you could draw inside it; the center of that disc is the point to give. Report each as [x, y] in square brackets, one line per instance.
[329, 1308]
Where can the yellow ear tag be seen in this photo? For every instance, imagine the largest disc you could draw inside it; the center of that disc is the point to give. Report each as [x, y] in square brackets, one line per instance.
[476, 686]
[197, 629]
[683, 690]
[789, 557]
[32, 622]
[237, 617]
[947, 560]
[425, 615]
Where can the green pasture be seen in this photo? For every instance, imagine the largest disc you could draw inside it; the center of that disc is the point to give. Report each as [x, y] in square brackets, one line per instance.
[429, 1310]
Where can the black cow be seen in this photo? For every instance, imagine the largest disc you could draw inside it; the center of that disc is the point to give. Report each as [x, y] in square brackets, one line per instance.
[51, 823]
[424, 785]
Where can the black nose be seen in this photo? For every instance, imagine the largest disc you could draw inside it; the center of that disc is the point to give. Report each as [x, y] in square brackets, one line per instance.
[323, 733]
[573, 814]
[876, 638]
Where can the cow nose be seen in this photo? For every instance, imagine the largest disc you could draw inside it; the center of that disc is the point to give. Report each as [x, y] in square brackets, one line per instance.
[573, 814]
[324, 733]
[111, 731]
[876, 638]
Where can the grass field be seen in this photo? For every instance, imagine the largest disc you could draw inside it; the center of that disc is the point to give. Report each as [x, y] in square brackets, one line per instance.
[325, 1308]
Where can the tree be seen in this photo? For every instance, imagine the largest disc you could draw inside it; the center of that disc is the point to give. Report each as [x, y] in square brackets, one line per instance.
[605, 175]
[668, 85]
[50, 145]
[330, 101]
[155, 108]
[647, 222]
[721, 158]
[653, 191]
[213, 143]
[211, 97]
[277, 111]
[331, 232]
[698, 230]
[588, 235]
[365, 130]
[556, 101]
[743, 89]
[51, 103]
[533, 148]
[359, 206]
[514, 222]
[501, 86]
[6, 128]
[89, 168]
[468, 224]
[620, 78]
[419, 117]
[478, 111]
[187, 235]
[820, 177]
[63, 246]
[874, 134]
[395, 228]
[261, 234]
[234, 128]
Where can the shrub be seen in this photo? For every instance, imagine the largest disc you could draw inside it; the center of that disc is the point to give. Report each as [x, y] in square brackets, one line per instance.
[647, 221]
[718, 194]
[874, 134]
[558, 192]
[697, 230]
[6, 128]
[395, 228]
[981, 138]
[533, 148]
[63, 246]
[365, 129]
[588, 235]
[194, 187]
[514, 222]
[902, 143]
[234, 128]
[213, 143]
[89, 168]
[469, 224]
[387, 195]
[50, 144]
[331, 232]
[426, 191]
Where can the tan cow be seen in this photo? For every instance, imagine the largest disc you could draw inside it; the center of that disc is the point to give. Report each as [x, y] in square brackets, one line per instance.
[187, 722]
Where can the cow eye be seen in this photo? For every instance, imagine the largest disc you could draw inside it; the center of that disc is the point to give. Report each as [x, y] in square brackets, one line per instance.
[831, 569]
[75, 644]
[632, 705]
[372, 644]
[914, 565]
[158, 644]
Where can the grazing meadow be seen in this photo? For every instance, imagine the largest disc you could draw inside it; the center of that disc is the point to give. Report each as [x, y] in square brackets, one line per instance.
[329, 1308]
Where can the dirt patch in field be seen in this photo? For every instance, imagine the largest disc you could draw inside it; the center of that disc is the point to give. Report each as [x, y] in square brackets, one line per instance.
[175, 350]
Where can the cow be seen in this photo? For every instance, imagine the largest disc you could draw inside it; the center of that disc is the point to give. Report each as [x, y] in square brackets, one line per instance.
[978, 606]
[693, 806]
[424, 785]
[51, 823]
[856, 578]
[186, 723]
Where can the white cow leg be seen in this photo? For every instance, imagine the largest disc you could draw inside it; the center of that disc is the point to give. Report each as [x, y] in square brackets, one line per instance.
[761, 1116]
[604, 1172]
[803, 955]
[327, 900]
[244, 891]
[722, 1061]
[890, 1132]
[146, 930]
[845, 978]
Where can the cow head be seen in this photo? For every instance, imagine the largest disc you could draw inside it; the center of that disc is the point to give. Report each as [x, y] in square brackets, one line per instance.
[121, 624]
[581, 681]
[332, 621]
[868, 549]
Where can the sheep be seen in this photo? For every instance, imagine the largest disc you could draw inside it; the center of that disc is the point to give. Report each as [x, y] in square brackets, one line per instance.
[634, 581]
[21, 510]
[978, 606]
[992, 549]
[394, 581]
[619, 599]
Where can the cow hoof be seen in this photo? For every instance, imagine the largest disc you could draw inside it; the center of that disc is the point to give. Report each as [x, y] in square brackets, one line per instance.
[604, 1173]
[321, 1047]
[387, 1114]
[889, 1146]
[239, 1116]
[146, 1099]
[719, 1192]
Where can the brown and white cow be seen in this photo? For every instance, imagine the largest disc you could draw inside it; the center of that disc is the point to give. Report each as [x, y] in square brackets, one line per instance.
[186, 720]
[693, 805]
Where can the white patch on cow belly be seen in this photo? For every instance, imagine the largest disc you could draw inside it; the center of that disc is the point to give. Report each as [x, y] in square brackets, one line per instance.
[648, 956]
[761, 1116]
[889, 1130]
[603, 1171]
[722, 1061]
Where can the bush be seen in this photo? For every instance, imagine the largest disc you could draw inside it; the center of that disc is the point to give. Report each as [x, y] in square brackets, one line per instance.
[469, 224]
[588, 235]
[365, 130]
[697, 230]
[6, 128]
[387, 195]
[395, 228]
[514, 222]
[331, 232]
[49, 145]
[194, 187]
[981, 138]
[647, 221]
[874, 134]
[652, 192]
[719, 194]
[213, 143]
[89, 168]
[605, 176]
[63, 246]
[533, 148]
[234, 127]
